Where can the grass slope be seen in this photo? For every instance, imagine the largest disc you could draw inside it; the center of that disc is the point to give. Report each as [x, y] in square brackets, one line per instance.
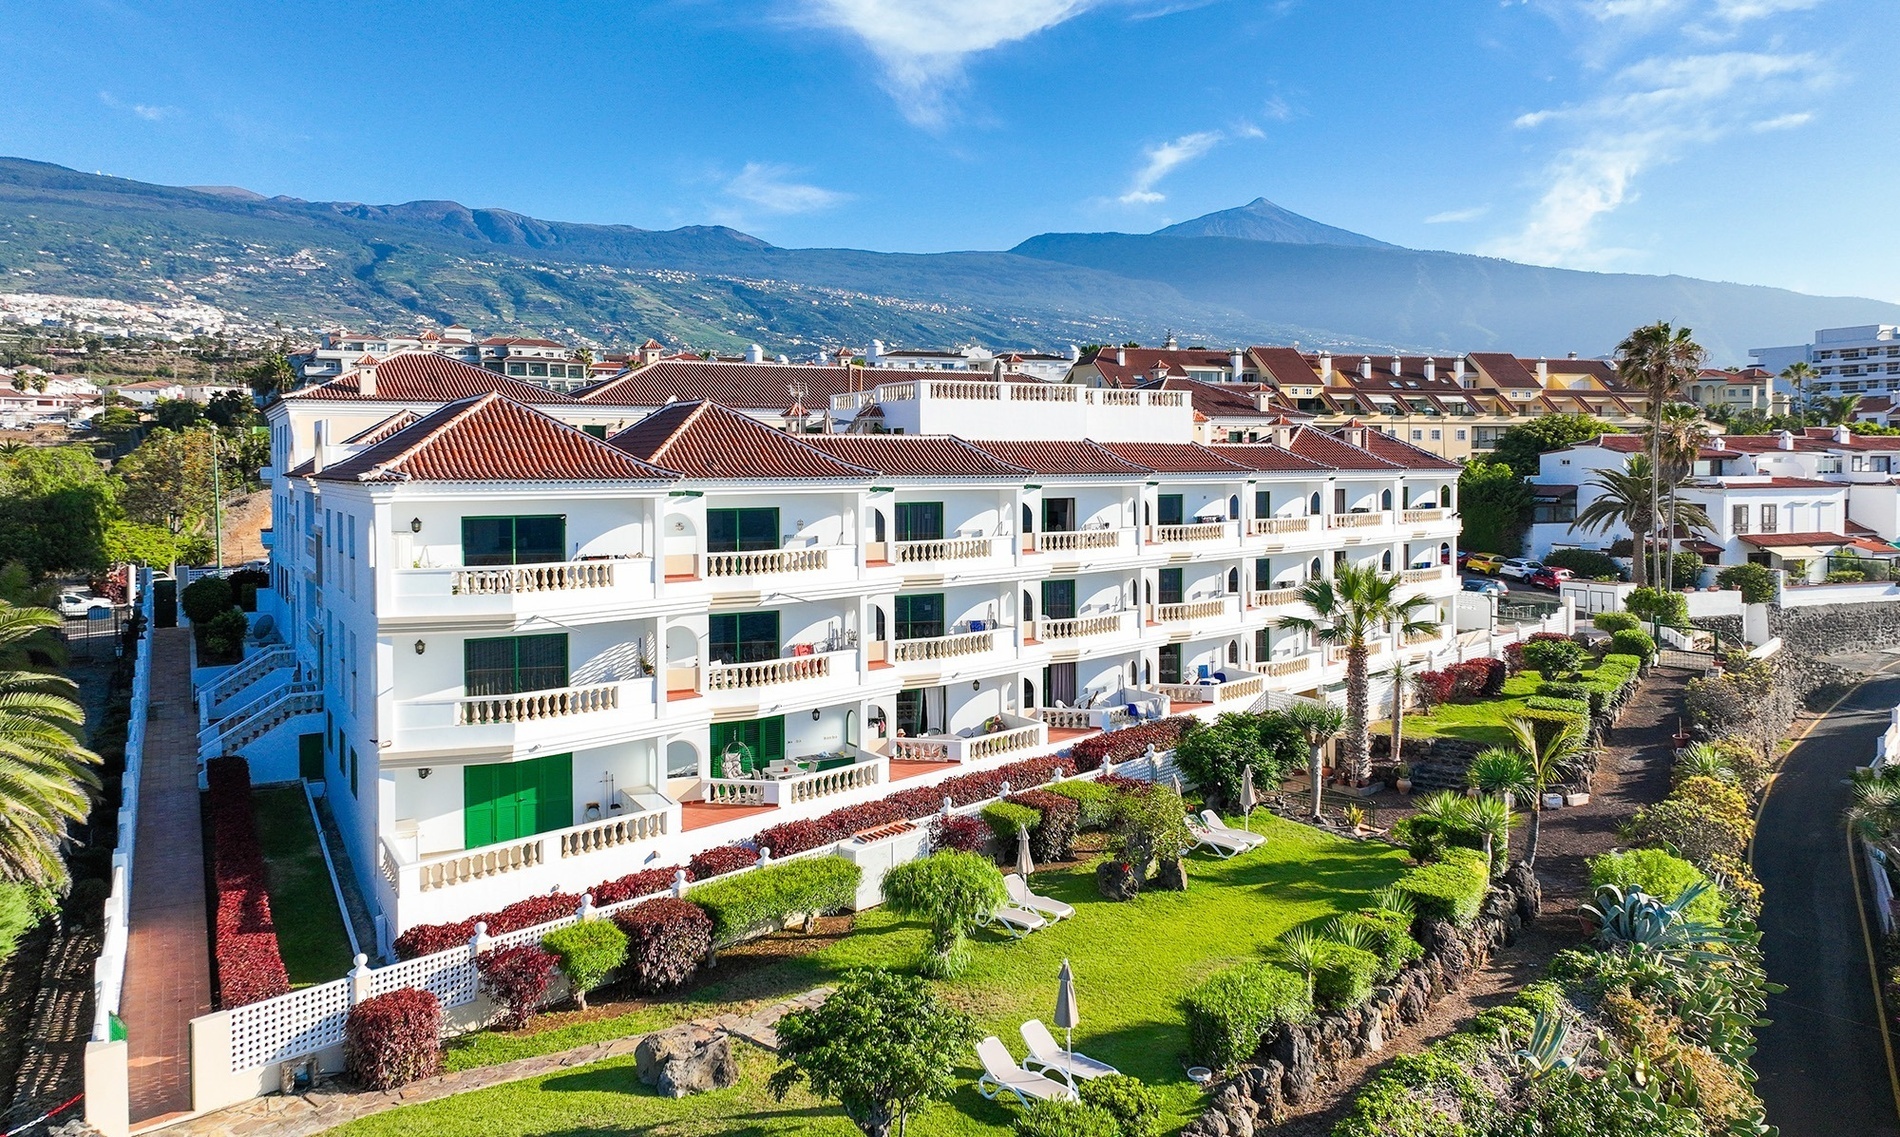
[310, 932]
[1132, 962]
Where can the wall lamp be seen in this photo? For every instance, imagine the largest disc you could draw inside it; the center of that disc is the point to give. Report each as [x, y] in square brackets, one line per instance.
[420, 647]
[424, 772]
[415, 524]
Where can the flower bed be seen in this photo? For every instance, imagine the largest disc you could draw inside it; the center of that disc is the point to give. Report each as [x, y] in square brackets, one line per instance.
[1129, 743]
[249, 964]
[427, 939]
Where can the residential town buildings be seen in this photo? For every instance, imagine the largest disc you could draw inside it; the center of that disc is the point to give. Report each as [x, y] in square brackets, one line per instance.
[540, 361]
[1719, 391]
[539, 639]
[1862, 360]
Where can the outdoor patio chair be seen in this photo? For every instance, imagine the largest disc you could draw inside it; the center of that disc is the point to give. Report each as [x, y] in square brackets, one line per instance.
[1021, 897]
[1018, 922]
[1000, 1076]
[1212, 821]
[1046, 1056]
[1218, 844]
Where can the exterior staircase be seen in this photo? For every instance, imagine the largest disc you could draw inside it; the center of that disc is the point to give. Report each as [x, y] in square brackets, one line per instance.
[251, 723]
[264, 668]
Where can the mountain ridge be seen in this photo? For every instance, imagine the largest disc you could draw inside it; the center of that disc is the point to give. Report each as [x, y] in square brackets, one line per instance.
[1262, 220]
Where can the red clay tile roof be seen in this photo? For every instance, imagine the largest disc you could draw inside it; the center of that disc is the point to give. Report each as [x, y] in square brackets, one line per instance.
[914, 455]
[1320, 446]
[1269, 459]
[750, 386]
[1173, 457]
[1142, 361]
[1784, 540]
[425, 377]
[1221, 400]
[1285, 365]
[1406, 454]
[401, 420]
[1505, 370]
[1059, 457]
[491, 439]
[706, 440]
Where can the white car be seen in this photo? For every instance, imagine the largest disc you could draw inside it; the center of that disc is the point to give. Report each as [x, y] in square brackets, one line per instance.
[1517, 568]
[80, 605]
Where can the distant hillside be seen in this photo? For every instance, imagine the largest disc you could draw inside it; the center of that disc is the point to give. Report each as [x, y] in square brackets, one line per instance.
[1256, 274]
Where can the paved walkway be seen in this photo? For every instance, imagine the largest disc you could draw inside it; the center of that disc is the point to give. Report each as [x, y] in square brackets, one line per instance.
[329, 1106]
[1822, 1064]
[168, 966]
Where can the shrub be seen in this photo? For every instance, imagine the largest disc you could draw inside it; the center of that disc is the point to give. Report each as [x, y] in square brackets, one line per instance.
[666, 941]
[588, 952]
[1495, 672]
[427, 939]
[959, 831]
[1548, 724]
[21, 907]
[1344, 976]
[1552, 657]
[1060, 1118]
[1661, 874]
[1655, 606]
[646, 882]
[1095, 802]
[392, 1039]
[1005, 817]
[1471, 679]
[792, 837]
[763, 899]
[1423, 837]
[720, 861]
[250, 966]
[1704, 820]
[1391, 933]
[1135, 1105]
[222, 636]
[1756, 582]
[516, 978]
[1451, 889]
[1587, 563]
[1633, 641]
[1430, 1094]
[1052, 838]
[955, 892]
[1549, 703]
[1229, 1015]
[1434, 687]
[1615, 622]
[1129, 743]
[1618, 661]
[205, 598]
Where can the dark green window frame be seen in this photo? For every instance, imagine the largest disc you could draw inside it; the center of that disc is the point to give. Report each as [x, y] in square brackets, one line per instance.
[742, 530]
[1263, 503]
[1058, 599]
[762, 743]
[920, 616]
[509, 665]
[1169, 658]
[743, 637]
[1262, 574]
[1058, 515]
[1170, 509]
[1168, 588]
[920, 521]
[525, 540]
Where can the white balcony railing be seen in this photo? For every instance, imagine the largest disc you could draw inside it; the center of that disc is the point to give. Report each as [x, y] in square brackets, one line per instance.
[1280, 526]
[1424, 575]
[1281, 668]
[1017, 734]
[1079, 627]
[768, 562]
[1422, 516]
[1356, 520]
[1197, 531]
[1190, 610]
[948, 549]
[1273, 597]
[567, 576]
[1078, 540]
[799, 788]
[445, 870]
[768, 673]
[1238, 686]
[537, 706]
[944, 647]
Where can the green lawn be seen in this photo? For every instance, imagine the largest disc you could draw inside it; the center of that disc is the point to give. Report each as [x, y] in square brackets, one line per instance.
[1132, 962]
[1481, 722]
[310, 932]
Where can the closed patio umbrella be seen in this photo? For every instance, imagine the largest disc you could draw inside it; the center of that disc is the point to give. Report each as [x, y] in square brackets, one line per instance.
[1175, 781]
[1025, 864]
[1067, 1015]
[1248, 798]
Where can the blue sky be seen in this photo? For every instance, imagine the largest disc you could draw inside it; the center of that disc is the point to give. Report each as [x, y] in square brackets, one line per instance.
[1740, 140]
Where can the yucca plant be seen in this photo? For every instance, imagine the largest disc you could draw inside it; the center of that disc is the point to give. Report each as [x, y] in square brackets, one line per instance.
[1874, 812]
[1299, 950]
[1499, 771]
[1542, 1054]
[1392, 899]
[1356, 934]
[1702, 760]
[1489, 817]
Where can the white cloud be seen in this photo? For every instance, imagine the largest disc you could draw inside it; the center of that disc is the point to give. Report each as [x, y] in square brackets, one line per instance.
[923, 43]
[1738, 11]
[1646, 115]
[1782, 122]
[770, 187]
[1454, 216]
[1162, 160]
[146, 111]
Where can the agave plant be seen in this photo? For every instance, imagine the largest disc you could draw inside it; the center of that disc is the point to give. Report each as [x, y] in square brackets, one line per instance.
[1637, 923]
[1543, 1053]
[1704, 760]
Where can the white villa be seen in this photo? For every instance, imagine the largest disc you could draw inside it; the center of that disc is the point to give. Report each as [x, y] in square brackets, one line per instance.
[536, 640]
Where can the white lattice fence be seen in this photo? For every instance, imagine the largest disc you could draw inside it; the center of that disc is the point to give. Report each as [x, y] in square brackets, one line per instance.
[302, 1022]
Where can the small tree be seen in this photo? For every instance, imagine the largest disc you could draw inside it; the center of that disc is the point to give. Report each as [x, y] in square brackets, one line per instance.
[1655, 606]
[1552, 658]
[1756, 582]
[588, 952]
[1151, 825]
[1318, 722]
[955, 892]
[1215, 754]
[882, 1045]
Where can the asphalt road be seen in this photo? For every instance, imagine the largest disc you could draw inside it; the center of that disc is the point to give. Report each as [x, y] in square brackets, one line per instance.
[1822, 1064]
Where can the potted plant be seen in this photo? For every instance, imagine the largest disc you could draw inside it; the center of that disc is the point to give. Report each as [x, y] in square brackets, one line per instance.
[1404, 780]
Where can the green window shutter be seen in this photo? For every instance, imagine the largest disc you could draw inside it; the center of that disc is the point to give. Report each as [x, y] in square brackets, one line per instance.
[555, 807]
[771, 739]
[523, 809]
[595, 430]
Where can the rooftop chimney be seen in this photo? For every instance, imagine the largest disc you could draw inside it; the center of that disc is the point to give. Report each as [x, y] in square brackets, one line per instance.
[1325, 365]
[755, 354]
[1172, 344]
[1431, 369]
[366, 382]
[1075, 353]
[1784, 440]
[1398, 365]
[876, 354]
[1365, 367]
[1842, 435]
[1236, 361]
[1121, 357]
[1572, 355]
[1458, 369]
[319, 436]
[1543, 370]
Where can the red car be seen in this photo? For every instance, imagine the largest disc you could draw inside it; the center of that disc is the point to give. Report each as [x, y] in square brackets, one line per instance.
[1551, 578]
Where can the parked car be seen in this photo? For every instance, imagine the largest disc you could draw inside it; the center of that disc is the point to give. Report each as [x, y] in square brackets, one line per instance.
[79, 604]
[1486, 586]
[1481, 562]
[1551, 578]
[1519, 568]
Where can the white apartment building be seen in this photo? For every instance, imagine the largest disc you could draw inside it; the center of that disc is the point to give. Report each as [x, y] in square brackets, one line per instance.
[539, 361]
[1862, 360]
[1046, 366]
[534, 640]
[1782, 500]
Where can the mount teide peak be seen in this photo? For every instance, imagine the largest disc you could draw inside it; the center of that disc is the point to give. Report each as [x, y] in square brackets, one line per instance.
[1261, 220]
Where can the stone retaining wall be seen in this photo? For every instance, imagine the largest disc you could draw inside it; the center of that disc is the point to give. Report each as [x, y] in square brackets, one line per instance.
[1292, 1065]
[1829, 628]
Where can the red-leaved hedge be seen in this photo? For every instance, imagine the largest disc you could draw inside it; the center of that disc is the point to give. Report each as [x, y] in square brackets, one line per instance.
[1435, 687]
[646, 882]
[250, 966]
[667, 939]
[392, 1039]
[1053, 838]
[720, 861]
[427, 939]
[964, 832]
[517, 978]
[1129, 742]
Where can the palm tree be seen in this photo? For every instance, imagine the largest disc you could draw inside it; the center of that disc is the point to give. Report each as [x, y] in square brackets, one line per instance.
[1402, 674]
[1659, 359]
[1489, 816]
[1874, 814]
[1798, 375]
[1684, 433]
[1357, 605]
[45, 775]
[1317, 723]
[1550, 753]
[1839, 410]
[1623, 498]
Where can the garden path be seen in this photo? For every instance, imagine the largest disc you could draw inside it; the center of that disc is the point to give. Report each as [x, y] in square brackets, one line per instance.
[329, 1105]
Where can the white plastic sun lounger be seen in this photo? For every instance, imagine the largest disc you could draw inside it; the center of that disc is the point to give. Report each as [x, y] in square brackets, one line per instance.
[1050, 1058]
[1018, 922]
[1000, 1076]
[1218, 842]
[1213, 822]
[1021, 897]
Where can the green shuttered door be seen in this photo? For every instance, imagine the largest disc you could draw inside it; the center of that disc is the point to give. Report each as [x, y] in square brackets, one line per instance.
[506, 801]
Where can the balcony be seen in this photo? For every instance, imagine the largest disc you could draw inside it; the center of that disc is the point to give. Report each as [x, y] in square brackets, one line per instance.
[1356, 520]
[624, 836]
[949, 549]
[521, 590]
[1079, 627]
[1190, 611]
[1283, 668]
[1279, 526]
[1424, 516]
[560, 716]
[798, 785]
[1017, 734]
[956, 646]
[778, 672]
[1225, 688]
[770, 562]
[1080, 540]
[1273, 597]
[1110, 712]
[1431, 575]
[1195, 531]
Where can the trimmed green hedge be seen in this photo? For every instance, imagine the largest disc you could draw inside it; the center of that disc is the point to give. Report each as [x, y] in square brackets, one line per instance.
[1230, 1014]
[1567, 706]
[1633, 641]
[1615, 622]
[1629, 663]
[1556, 719]
[747, 903]
[1345, 976]
[1394, 932]
[1095, 800]
[1004, 818]
[1451, 889]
